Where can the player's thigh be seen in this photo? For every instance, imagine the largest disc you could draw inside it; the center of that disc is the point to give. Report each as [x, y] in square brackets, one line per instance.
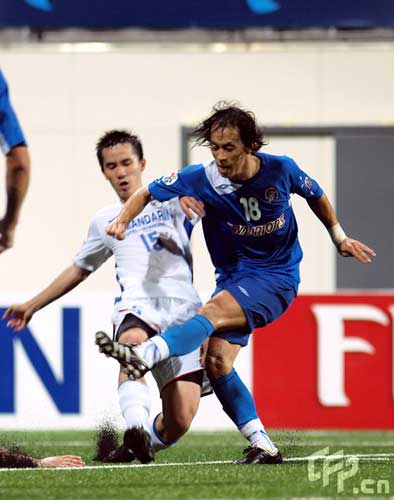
[224, 312]
[134, 335]
[220, 357]
[180, 400]
[132, 330]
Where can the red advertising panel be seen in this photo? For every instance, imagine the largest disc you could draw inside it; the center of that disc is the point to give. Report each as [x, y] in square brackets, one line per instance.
[327, 363]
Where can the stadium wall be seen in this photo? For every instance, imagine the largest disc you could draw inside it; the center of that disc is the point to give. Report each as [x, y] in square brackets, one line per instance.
[67, 95]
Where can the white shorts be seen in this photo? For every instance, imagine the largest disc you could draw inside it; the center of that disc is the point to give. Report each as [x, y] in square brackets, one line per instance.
[160, 314]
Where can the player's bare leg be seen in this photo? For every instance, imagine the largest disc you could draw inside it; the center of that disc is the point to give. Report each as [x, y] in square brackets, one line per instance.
[15, 458]
[60, 461]
[180, 404]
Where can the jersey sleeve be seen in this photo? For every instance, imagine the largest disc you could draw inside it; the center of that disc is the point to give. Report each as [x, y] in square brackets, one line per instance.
[302, 184]
[94, 252]
[185, 182]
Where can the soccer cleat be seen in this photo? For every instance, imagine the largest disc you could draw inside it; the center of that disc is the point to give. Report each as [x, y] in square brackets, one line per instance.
[133, 365]
[255, 455]
[119, 455]
[139, 442]
[107, 446]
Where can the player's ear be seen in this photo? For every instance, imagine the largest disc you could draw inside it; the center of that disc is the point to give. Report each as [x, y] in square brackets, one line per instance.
[143, 164]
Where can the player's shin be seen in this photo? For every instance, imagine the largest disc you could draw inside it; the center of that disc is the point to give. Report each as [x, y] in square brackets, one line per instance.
[185, 338]
[134, 402]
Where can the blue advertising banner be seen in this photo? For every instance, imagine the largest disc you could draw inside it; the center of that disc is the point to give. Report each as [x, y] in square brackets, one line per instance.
[220, 14]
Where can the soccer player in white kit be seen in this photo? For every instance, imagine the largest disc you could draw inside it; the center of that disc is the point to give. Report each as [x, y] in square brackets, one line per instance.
[153, 269]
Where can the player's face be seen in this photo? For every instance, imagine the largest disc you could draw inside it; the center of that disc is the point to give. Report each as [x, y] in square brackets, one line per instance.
[231, 155]
[123, 169]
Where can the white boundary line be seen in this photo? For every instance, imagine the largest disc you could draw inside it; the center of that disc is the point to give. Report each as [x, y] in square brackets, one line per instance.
[89, 443]
[381, 457]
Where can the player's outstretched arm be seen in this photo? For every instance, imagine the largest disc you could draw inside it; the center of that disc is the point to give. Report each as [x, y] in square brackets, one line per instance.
[19, 315]
[17, 182]
[60, 461]
[133, 206]
[346, 246]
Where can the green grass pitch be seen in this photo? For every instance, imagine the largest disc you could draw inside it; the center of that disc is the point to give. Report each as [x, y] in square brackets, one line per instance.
[183, 472]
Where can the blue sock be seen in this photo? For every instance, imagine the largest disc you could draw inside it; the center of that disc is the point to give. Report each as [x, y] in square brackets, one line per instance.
[185, 338]
[235, 398]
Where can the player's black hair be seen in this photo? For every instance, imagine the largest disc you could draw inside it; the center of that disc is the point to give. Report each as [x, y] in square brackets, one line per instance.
[13, 457]
[225, 114]
[114, 137]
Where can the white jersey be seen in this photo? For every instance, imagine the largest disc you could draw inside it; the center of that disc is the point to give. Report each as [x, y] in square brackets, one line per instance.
[154, 259]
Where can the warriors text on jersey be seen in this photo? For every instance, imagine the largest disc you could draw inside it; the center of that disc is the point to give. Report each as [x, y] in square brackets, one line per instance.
[249, 226]
[153, 260]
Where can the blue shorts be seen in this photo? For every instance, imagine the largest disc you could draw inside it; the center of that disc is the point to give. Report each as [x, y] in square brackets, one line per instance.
[263, 297]
[11, 134]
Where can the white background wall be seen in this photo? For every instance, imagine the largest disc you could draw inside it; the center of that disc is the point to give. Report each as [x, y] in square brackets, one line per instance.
[66, 96]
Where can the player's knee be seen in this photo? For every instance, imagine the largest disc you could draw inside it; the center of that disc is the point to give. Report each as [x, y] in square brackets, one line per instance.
[179, 425]
[217, 365]
[133, 336]
[214, 312]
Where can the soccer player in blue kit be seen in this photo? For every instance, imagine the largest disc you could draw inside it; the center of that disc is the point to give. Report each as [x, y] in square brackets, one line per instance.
[251, 234]
[13, 145]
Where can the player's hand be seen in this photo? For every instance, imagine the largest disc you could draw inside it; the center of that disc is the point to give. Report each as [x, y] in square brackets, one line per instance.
[354, 248]
[190, 205]
[117, 229]
[61, 461]
[20, 315]
[7, 233]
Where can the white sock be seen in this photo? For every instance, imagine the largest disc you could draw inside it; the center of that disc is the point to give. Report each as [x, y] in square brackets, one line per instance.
[134, 402]
[158, 443]
[153, 351]
[255, 433]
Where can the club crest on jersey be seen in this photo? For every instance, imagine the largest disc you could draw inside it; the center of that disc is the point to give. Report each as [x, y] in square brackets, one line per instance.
[169, 179]
[306, 183]
[271, 194]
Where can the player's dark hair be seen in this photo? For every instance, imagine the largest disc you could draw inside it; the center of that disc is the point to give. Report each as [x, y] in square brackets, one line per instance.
[225, 114]
[114, 137]
[12, 457]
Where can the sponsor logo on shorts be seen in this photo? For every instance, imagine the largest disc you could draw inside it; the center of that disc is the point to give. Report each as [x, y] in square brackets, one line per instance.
[257, 231]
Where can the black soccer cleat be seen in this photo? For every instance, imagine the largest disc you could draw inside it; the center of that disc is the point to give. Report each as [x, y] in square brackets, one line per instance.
[255, 455]
[119, 455]
[132, 364]
[139, 442]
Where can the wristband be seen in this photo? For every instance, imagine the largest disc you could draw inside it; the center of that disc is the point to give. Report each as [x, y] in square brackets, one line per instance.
[337, 234]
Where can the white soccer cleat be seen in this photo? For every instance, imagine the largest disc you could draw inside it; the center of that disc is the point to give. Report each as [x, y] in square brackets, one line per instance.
[132, 364]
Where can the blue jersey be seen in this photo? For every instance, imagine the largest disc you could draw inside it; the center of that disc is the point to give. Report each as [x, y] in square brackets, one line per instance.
[11, 134]
[249, 226]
